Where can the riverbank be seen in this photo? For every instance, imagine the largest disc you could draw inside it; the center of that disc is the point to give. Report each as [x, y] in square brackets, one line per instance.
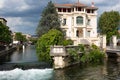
[7, 51]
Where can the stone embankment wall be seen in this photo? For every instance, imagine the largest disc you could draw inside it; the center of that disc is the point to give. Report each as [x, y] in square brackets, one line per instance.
[60, 56]
[7, 51]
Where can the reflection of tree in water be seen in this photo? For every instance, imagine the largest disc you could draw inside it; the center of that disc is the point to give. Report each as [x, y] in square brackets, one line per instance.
[80, 73]
[113, 69]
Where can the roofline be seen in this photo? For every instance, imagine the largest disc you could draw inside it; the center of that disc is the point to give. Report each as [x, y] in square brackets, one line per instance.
[74, 5]
[4, 19]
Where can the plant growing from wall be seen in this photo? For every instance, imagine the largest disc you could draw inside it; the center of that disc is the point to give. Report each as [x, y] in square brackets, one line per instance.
[90, 54]
[93, 56]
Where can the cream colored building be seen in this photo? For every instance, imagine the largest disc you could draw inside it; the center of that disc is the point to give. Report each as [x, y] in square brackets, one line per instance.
[3, 20]
[79, 22]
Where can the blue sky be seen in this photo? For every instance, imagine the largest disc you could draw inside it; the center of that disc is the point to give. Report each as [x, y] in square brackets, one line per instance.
[24, 15]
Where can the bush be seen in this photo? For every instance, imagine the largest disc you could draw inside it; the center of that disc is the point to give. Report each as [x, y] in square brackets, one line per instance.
[93, 56]
[67, 42]
[74, 56]
[53, 37]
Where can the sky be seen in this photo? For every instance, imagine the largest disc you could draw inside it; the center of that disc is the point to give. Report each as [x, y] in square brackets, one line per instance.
[24, 15]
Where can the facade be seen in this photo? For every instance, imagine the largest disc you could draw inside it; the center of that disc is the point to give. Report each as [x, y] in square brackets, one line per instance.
[79, 22]
[3, 20]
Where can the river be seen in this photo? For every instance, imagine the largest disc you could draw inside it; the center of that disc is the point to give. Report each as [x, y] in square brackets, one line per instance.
[24, 65]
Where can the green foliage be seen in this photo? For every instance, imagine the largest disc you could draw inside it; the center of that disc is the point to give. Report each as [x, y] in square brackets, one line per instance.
[53, 37]
[67, 42]
[81, 48]
[49, 20]
[90, 54]
[20, 37]
[74, 56]
[93, 56]
[109, 23]
[5, 34]
[33, 40]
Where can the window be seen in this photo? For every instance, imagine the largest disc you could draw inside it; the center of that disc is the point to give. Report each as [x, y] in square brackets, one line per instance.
[88, 22]
[64, 32]
[88, 33]
[64, 21]
[79, 20]
[77, 33]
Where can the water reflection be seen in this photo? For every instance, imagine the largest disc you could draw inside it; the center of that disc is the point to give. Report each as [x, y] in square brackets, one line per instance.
[80, 73]
[28, 54]
[110, 70]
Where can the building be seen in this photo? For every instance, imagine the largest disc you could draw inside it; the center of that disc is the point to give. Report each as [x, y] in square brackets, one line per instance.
[3, 21]
[79, 22]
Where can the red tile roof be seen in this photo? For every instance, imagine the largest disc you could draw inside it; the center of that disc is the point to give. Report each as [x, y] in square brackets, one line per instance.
[78, 4]
[95, 8]
[63, 5]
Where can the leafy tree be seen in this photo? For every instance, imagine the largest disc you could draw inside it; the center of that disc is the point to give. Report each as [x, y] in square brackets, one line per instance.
[5, 34]
[109, 23]
[53, 37]
[33, 40]
[49, 20]
[20, 37]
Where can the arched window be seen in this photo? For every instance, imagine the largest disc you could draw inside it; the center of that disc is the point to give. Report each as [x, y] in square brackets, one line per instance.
[79, 20]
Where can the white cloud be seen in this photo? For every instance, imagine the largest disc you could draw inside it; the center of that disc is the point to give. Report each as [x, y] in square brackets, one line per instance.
[12, 22]
[25, 13]
[1, 4]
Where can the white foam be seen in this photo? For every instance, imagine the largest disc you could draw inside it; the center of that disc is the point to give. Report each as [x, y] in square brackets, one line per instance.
[31, 74]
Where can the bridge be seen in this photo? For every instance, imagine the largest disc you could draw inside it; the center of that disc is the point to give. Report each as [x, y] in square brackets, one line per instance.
[113, 51]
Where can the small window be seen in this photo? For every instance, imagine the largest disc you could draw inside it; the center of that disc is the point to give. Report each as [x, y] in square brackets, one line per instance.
[88, 22]
[59, 10]
[79, 9]
[64, 21]
[69, 10]
[77, 33]
[88, 33]
[79, 20]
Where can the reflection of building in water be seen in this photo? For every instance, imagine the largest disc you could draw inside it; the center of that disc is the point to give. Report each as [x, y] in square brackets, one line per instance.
[79, 22]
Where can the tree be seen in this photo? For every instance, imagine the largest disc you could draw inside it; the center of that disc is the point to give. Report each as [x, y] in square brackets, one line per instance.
[20, 37]
[109, 23]
[49, 20]
[5, 34]
[53, 37]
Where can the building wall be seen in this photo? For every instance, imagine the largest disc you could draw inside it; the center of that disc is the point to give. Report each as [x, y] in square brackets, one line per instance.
[85, 31]
[3, 21]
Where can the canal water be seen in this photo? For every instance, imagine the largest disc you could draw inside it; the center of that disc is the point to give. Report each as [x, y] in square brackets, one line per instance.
[24, 65]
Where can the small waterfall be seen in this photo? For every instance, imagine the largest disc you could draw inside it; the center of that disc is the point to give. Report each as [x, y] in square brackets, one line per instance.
[31, 74]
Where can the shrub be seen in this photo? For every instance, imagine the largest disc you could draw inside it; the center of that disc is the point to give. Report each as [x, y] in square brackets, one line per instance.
[93, 56]
[53, 37]
[67, 42]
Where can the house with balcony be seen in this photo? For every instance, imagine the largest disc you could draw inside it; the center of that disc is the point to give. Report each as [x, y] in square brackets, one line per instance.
[79, 22]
